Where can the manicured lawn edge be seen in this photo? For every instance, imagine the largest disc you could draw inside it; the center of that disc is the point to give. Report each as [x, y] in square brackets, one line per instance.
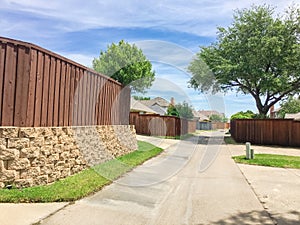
[84, 183]
[271, 160]
[230, 141]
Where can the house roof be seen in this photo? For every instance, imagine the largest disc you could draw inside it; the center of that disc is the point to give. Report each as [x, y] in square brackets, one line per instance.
[200, 116]
[158, 100]
[139, 107]
[208, 113]
[158, 109]
[295, 116]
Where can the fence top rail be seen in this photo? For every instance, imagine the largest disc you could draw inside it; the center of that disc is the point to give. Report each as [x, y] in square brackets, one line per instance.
[36, 47]
[265, 120]
[164, 116]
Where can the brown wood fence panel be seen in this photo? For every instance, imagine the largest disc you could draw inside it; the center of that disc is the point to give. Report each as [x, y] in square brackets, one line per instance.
[284, 132]
[41, 88]
[156, 125]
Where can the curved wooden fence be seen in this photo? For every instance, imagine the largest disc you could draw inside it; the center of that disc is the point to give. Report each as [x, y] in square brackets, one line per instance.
[41, 88]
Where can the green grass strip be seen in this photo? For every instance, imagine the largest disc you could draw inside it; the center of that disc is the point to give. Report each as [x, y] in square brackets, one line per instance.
[281, 161]
[230, 141]
[84, 183]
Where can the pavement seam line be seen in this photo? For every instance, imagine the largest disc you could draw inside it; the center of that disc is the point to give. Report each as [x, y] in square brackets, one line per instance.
[253, 190]
[51, 214]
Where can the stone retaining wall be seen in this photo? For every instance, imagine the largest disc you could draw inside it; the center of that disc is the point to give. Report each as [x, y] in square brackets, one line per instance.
[38, 156]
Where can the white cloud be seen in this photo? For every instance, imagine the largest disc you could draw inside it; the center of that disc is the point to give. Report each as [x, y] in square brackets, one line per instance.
[197, 17]
[85, 60]
[166, 52]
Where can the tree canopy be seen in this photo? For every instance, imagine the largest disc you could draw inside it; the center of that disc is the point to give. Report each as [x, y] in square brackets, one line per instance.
[292, 105]
[243, 115]
[172, 111]
[141, 97]
[182, 110]
[258, 54]
[218, 118]
[127, 64]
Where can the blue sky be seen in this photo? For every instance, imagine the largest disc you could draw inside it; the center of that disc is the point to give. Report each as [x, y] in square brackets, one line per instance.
[169, 32]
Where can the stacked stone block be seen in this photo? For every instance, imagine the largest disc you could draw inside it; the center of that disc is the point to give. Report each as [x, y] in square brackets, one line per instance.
[39, 156]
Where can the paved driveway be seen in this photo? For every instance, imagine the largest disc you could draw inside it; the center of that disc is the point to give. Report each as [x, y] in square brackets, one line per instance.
[178, 188]
[170, 189]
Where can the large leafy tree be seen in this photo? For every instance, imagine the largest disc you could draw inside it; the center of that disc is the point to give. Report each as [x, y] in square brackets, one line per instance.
[243, 115]
[127, 64]
[292, 105]
[218, 118]
[258, 54]
[182, 110]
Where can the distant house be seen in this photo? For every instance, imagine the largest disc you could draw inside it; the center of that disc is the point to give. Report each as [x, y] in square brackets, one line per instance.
[137, 106]
[158, 104]
[274, 113]
[199, 117]
[208, 113]
[295, 116]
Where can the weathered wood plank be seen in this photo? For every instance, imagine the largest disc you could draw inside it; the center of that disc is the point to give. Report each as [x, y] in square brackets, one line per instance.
[57, 93]
[51, 92]
[62, 94]
[32, 88]
[2, 77]
[22, 85]
[9, 85]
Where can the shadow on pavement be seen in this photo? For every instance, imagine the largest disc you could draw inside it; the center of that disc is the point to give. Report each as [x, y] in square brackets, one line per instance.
[259, 217]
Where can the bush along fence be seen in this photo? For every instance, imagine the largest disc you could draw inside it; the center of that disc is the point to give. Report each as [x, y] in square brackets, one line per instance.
[56, 116]
[284, 132]
[156, 125]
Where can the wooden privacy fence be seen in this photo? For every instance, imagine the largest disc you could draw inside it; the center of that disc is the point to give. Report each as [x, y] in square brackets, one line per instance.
[156, 125]
[41, 88]
[284, 132]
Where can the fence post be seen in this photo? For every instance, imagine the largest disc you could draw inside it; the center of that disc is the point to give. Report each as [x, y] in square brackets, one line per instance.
[248, 150]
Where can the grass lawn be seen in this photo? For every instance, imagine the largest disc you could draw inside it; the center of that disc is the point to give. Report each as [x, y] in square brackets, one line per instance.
[84, 183]
[182, 137]
[281, 161]
[230, 140]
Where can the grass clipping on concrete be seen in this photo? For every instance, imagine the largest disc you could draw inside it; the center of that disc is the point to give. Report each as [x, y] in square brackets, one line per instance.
[281, 161]
[84, 183]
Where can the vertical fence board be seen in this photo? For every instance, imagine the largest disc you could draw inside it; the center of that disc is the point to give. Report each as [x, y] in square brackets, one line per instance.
[45, 90]
[39, 88]
[76, 98]
[67, 95]
[80, 98]
[51, 91]
[22, 85]
[2, 77]
[62, 94]
[88, 98]
[32, 88]
[72, 94]
[9, 85]
[56, 93]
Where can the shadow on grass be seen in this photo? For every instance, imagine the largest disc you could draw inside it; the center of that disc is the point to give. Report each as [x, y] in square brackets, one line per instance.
[260, 217]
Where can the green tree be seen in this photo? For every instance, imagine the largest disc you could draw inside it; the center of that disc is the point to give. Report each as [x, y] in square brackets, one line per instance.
[292, 105]
[185, 110]
[258, 54]
[243, 115]
[141, 98]
[218, 118]
[127, 64]
[172, 111]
